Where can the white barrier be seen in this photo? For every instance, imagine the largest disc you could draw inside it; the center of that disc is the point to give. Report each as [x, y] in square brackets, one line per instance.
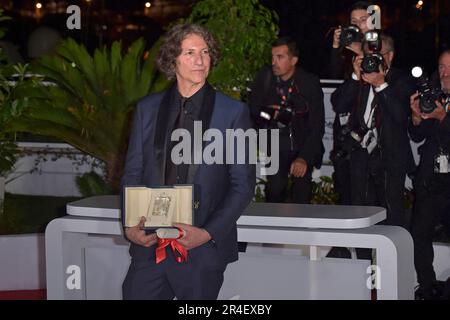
[48, 169]
[23, 262]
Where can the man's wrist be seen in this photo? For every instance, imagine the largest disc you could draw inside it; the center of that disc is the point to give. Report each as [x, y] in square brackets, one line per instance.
[207, 235]
[381, 87]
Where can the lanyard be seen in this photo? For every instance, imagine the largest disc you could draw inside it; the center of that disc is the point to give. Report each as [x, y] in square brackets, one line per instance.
[285, 96]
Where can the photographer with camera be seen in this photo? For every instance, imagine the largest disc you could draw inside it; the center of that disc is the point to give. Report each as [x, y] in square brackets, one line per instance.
[288, 98]
[346, 43]
[349, 38]
[430, 123]
[377, 141]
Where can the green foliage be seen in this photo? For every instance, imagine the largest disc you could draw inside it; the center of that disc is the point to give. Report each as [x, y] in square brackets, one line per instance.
[3, 18]
[92, 184]
[12, 80]
[31, 214]
[91, 96]
[259, 195]
[323, 191]
[90, 99]
[8, 156]
[244, 30]
[8, 101]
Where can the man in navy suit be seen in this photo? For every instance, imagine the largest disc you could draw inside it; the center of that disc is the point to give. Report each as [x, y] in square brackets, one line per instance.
[223, 190]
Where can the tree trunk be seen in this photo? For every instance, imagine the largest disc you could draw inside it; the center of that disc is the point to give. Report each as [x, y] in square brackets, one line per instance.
[114, 171]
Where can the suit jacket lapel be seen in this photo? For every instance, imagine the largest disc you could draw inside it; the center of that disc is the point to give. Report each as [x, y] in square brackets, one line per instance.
[363, 102]
[160, 140]
[206, 112]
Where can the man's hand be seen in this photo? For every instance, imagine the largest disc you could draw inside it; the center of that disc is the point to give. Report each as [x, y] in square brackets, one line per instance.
[337, 37]
[193, 236]
[415, 109]
[376, 79]
[438, 113]
[137, 235]
[299, 167]
[357, 65]
[355, 47]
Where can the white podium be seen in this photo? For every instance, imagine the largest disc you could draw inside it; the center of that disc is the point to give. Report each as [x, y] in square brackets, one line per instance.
[87, 256]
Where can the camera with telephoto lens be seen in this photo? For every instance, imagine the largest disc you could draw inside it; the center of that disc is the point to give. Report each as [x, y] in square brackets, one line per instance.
[372, 61]
[276, 113]
[428, 93]
[349, 35]
[297, 106]
[347, 141]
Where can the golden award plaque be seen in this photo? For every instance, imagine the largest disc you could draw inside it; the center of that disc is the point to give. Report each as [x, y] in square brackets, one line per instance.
[160, 206]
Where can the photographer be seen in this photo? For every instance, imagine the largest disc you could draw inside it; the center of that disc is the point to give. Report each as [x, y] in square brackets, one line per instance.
[432, 181]
[293, 99]
[377, 140]
[341, 68]
[341, 58]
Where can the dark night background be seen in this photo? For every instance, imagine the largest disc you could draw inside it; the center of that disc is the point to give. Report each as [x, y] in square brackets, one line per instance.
[420, 33]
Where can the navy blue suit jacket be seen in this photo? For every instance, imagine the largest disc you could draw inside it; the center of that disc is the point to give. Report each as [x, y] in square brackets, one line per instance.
[223, 190]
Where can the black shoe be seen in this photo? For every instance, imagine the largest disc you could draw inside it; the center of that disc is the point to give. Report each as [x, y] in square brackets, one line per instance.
[339, 252]
[434, 291]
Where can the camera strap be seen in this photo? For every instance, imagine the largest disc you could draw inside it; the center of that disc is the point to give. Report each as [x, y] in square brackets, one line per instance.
[442, 158]
[284, 94]
[446, 103]
[370, 139]
[370, 119]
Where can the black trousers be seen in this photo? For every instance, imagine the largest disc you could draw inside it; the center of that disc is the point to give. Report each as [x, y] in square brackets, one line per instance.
[375, 184]
[341, 179]
[200, 278]
[431, 205]
[276, 187]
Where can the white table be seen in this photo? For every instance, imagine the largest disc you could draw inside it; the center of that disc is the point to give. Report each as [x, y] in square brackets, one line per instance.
[87, 245]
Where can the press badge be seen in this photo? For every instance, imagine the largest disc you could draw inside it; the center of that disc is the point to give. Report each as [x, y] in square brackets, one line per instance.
[441, 163]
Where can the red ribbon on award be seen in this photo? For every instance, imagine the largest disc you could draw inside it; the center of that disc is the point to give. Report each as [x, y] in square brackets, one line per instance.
[178, 250]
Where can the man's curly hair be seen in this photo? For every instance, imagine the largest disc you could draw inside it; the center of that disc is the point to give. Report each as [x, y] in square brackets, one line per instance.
[171, 47]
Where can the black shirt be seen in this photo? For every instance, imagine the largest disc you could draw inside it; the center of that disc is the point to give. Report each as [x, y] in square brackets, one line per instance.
[182, 118]
[285, 143]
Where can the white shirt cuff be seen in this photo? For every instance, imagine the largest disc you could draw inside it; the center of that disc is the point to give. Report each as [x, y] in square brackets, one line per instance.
[381, 88]
[355, 77]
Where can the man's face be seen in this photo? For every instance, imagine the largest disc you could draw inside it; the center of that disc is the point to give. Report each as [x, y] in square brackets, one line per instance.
[282, 62]
[359, 18]
[193, 63]
[444, 72]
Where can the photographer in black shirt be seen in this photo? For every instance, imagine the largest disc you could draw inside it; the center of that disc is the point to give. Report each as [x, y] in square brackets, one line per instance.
[288, 98]
[432, 181]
